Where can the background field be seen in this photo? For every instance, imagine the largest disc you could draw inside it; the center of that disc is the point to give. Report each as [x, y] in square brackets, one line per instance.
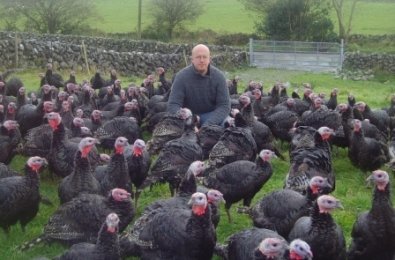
[371, 17]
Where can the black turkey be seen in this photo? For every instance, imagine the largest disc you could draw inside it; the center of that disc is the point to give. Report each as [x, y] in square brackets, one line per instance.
[139, 162]
[320, 231]
[208, 136]
[10, 136]
[214, 198]
[80, 219]
[373, 233]
[366, 153]
[173, 234]
[118, 126]
[20, 195]
[106, 247]
[187, 188]
[63, 151]
[243, 244]
[174, 159]
[320, 116]
[279, 210]
[97, 81]
[378, 117]
[262, 134]
[6, 171]
[94, 121]
[241, 180]
[30, 116]
[311, 158]
[116, 173]
[236, 143]
[81, 178]
[169, 128]
[280, 123]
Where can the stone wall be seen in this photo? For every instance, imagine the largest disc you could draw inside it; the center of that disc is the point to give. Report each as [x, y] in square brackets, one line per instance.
[364, 61]
[131, 57]
[128, 57]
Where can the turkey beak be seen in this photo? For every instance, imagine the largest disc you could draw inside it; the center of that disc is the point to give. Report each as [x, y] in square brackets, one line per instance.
[339, 205]
[370, 180]
[45, 162]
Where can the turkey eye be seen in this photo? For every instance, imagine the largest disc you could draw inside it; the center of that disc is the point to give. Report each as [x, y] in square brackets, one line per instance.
[275, 244]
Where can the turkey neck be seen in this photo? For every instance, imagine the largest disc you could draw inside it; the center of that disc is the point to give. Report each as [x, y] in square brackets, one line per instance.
[310, 196]
[82, 169]
[188, 185]
[382, 207]
[59, 135]
[248, 114]
[321, 222]
[201, 227]
[31, 177]
[123, 209]
[108, 243]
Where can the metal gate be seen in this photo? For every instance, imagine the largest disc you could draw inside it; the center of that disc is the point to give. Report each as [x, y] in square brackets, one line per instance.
[309, 56]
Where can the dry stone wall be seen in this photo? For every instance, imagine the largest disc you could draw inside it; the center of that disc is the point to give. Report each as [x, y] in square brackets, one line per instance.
[126, 56]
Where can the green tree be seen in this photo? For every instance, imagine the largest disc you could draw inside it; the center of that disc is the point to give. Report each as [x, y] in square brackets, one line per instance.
[50, 16]
[300, 20]
[170, 14]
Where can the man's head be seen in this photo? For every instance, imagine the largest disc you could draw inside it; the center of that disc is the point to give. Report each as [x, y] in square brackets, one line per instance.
[201, 58]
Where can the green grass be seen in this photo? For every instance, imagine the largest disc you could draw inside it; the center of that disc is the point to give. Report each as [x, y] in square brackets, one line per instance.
[120, 16]
[350, 184]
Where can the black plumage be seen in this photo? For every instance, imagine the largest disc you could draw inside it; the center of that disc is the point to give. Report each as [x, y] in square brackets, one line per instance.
[174, 159]
[320, 231]
[245, 244]
[106, 247]
[6, 171]
[373, 233]
[236, 143]
[10, 137]
[262, 134]
[168, 128]
[20, 195]
[63, 151]
[118, 126]
[280, 209]
[30, 116]
[241, 180]
[139, 162]
[116, 174]
[81, 179]
[320, 116]
[310, 157]
[366, 153]
[208, 136]
[80, 219]
[378, 117]
[173, 234]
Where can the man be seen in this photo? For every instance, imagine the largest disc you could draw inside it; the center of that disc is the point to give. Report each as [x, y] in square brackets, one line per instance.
[202, 88]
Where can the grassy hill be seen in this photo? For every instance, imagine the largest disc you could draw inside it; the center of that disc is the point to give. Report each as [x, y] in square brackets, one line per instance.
[371, 17]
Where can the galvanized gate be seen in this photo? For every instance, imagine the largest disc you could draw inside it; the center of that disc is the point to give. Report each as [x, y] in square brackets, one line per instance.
[309, 56]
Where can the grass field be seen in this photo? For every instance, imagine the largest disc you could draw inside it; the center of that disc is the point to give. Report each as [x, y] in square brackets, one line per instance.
[230, 16]
[350, 187]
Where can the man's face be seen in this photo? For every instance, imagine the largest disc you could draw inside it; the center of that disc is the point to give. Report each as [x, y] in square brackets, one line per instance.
[201, 59]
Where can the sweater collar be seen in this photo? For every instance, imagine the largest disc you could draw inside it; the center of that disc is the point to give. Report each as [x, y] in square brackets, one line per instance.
[197, 73]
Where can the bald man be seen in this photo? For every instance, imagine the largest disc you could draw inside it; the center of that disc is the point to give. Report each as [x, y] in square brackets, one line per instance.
[202, 88]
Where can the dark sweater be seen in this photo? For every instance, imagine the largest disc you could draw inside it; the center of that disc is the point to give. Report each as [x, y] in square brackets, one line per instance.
[201, 94]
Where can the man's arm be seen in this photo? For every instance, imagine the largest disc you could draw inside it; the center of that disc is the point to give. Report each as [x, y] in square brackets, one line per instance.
[222, 104]
[176, 98]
